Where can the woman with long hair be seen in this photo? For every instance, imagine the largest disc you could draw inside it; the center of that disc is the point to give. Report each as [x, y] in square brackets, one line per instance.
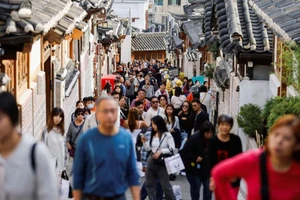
[162, 101]
[185, 118]
[270, 173]
[195, 158]
[187, 86]
[135, 126]
[53, 137]
[160, 143]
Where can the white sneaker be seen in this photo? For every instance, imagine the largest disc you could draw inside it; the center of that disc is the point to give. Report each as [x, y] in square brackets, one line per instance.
[182, 173]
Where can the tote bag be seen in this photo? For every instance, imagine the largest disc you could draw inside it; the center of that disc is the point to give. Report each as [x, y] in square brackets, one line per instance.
[174, 164]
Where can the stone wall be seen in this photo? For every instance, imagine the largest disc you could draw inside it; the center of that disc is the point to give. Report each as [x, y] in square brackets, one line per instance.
[69, 106]
[39, 106]
[234, 101]
[25, 101]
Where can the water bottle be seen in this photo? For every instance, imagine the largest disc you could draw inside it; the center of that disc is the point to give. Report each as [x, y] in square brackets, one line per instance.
[198, 166]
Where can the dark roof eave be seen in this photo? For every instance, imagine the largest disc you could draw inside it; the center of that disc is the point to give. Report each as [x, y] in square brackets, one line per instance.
[17, 40]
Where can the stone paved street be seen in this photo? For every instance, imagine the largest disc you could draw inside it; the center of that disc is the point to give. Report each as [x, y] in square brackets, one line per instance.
[180, 180]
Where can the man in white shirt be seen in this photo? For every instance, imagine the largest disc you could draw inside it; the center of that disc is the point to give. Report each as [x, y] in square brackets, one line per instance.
[162, 91]
[154, 110]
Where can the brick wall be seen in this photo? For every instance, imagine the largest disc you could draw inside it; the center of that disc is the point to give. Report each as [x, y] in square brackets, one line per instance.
[25, 100]
[39, 110]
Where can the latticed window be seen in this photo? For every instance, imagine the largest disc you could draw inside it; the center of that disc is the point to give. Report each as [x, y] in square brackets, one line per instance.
[9, 70]
[22, 63]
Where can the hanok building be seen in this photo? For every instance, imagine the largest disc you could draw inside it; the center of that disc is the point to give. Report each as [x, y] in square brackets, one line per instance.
[46, 43]
[283, 18]
[240, 41]
[146, 46]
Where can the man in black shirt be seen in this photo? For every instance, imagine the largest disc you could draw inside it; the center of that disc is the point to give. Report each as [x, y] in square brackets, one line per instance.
[200, 116]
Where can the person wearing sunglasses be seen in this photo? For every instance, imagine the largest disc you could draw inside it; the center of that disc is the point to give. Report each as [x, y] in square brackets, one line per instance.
[154, 110]
[75, 130]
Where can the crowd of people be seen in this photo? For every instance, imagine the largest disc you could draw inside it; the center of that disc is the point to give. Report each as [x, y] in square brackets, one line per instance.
[125, 134]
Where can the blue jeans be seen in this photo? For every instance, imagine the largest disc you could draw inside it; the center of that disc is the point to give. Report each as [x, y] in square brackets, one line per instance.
[159, 192]
[195, 185]
[184, 137]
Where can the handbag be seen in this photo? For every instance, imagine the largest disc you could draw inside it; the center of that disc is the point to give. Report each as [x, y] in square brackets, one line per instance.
[174, 164]
[264, 190]
[72, 151]
[160, 160]
[66, 188]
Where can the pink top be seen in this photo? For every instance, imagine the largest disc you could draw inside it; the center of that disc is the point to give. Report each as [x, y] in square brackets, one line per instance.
[282, 186]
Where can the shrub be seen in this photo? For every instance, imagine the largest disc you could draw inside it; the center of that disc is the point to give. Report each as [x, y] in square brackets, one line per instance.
[282, 106]
[249, 119]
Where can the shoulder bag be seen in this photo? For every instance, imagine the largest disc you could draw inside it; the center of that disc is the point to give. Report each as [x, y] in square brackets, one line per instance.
[72, 151]
[264, 189]
[160, 160]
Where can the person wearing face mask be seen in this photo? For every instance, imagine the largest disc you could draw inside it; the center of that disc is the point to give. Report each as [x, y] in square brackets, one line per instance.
[90, 103]
[53, 137]
[87, 112]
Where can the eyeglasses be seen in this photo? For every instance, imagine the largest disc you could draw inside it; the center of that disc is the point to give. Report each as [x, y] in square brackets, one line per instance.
[82, 114]
[154, 102]
[195, 105]
[185, 106]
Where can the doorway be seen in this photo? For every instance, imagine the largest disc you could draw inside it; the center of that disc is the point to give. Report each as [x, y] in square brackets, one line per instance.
[49, 86]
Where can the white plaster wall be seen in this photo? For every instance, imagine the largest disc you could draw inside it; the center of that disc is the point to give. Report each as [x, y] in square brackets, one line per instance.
[126, 50]
[138, 10]
[35, 59]
[256, 92]
[86, 73]
[274, 84]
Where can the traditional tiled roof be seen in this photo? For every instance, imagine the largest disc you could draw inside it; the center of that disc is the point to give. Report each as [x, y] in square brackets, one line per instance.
[281, 16]
[36, 16]
[66, 24]
[181, 17]
[237, 27]
[149, 42]
[93, 4]
[193, 29]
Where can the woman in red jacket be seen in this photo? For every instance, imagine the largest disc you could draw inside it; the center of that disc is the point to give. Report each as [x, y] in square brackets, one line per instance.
[273, 174]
